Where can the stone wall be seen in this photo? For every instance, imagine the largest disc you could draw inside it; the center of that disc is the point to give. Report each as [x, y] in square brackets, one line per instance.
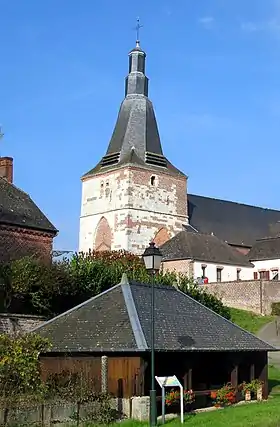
[19, 323]
[60, 413]
[17, 242]
[251, 295]
[136, 203]
[184, 266]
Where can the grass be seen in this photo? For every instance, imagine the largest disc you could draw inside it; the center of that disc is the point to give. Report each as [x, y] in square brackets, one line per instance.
[263, 414]
[250, 321]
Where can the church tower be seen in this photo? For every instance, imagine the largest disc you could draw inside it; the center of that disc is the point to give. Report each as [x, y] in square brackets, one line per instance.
[134, 194]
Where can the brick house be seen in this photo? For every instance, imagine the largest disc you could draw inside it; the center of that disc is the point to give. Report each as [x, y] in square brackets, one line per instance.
[24, 229]
[135, 194]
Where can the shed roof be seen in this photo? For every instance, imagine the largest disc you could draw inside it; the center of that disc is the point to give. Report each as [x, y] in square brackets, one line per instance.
[118, 320]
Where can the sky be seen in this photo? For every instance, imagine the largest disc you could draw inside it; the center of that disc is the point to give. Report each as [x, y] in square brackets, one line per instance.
[214, 70]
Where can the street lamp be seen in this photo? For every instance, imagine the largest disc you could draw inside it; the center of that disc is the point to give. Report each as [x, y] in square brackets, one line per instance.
[152, 258]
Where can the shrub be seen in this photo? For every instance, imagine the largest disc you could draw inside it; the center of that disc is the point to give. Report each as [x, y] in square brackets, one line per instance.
[275, 308]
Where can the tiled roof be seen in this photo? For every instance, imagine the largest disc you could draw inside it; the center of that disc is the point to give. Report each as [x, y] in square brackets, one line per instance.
[17, 208]
[235, 223]
[265, 249]
[189, 244]
[119, 320]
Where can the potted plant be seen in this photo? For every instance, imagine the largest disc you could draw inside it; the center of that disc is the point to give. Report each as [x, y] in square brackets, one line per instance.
[246, 389]
[172, 398]
[256, 387]
[225, 396]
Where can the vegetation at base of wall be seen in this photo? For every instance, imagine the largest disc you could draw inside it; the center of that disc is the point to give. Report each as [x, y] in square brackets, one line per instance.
[275, 308]
[19, 366]
[30, 287]
[250, 321]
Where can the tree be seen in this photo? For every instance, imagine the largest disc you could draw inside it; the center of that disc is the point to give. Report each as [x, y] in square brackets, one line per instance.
[48, 290]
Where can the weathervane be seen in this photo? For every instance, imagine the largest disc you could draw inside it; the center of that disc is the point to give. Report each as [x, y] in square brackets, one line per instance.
[137, 28]
[1, 133]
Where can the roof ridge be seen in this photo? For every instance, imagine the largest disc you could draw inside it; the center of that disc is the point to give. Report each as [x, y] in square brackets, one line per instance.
[133, 317]
[76, 307]
[227, 320]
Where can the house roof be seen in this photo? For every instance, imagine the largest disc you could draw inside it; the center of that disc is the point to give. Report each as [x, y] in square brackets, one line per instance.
[265, 249]
[17, 208]
[235, 223]
[119, 320]
[189, 244]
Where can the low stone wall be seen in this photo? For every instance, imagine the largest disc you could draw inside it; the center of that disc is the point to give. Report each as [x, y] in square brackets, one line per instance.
[15, 323]
[49, 414]
[251, 295]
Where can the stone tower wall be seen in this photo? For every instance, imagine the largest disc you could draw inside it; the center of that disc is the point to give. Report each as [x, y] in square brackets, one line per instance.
[136, 203]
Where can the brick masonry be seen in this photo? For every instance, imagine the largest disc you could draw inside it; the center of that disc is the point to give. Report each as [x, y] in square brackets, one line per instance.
[251, 295]
[137, 204]
[18, 323]
[18, 242]
[184, 266]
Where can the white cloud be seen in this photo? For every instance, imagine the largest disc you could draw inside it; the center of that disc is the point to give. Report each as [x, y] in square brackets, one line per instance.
[207, 22]
[271, 26]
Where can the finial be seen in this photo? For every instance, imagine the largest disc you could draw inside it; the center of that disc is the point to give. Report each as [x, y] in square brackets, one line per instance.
[1, 133]
[137, 28]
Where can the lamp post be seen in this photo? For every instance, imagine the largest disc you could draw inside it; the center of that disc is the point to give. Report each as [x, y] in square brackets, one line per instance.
[152, 258]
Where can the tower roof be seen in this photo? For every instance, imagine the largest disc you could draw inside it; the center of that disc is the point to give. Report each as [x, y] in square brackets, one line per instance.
[135, 139]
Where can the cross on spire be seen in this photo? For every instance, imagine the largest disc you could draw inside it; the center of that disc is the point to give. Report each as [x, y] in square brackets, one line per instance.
[137, 28]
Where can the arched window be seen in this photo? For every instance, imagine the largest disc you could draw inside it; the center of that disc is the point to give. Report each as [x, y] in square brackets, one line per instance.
[153, 180]
[103, 236]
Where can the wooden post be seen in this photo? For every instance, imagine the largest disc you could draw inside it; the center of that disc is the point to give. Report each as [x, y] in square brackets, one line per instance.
[190, 379]
[234, 377]
[264, 375]
[252, 372]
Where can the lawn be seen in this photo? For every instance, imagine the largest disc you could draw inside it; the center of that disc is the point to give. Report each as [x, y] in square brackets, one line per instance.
[250, 321]
[264, 414]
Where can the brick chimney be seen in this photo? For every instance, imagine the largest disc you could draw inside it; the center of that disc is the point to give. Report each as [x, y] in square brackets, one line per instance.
[6, 168]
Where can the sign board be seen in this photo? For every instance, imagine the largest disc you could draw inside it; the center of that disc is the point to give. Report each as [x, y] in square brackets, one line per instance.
[171, 381]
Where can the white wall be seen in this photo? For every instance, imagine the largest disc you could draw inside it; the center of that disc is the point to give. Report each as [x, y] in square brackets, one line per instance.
[134, 208]
[229, 272]
[267, 265]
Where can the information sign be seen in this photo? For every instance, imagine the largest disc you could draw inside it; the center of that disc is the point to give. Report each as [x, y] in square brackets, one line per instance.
[171, 381]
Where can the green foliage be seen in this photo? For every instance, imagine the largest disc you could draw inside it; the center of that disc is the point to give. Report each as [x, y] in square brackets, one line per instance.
[36, 288]
[275, 308]
[19, 364]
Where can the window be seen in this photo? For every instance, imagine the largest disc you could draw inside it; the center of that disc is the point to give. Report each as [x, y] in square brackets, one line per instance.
[219, 274]
[255, 275]
[153, 180]
[238, 271]
[101, 184]
[275, 274]
[203, 268]
[264, 275]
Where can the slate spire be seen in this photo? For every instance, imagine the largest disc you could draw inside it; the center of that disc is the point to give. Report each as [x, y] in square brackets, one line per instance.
[135, 139]
[136, 82]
